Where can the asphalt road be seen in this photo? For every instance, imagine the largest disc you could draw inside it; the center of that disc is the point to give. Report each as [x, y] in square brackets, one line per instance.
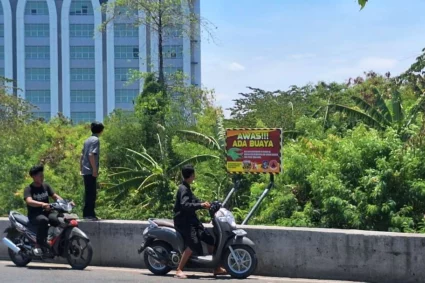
[47, 273]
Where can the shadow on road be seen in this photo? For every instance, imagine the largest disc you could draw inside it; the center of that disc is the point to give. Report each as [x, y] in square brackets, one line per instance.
[44, 267]
[196, 277]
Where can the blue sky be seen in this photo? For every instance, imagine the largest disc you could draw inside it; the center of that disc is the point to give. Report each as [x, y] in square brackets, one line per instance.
[279, 43]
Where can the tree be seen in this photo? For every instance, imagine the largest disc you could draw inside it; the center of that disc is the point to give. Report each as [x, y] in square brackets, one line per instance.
[155, 178]
[160, 16]
[380, 116]
[362, 3]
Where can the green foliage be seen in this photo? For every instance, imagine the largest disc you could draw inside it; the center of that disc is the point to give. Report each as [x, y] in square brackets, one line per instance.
[361, 167]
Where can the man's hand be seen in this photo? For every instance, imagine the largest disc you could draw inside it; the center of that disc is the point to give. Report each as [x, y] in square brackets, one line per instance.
[206, 205]
[95, 174]
[46, 206]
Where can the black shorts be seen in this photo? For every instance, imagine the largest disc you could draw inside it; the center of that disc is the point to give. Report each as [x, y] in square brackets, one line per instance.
[193, 235]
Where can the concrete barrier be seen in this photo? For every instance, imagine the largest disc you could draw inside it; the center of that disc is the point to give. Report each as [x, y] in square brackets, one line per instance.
[288, 252]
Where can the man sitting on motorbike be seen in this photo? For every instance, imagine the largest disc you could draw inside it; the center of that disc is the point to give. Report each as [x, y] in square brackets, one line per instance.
[36, 196]
[187, 223]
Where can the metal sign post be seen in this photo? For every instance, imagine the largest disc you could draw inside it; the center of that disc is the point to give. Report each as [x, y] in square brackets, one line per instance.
[236, 184]
[263, 195]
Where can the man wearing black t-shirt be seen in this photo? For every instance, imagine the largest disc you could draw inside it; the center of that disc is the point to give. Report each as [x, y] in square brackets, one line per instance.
[36, 197]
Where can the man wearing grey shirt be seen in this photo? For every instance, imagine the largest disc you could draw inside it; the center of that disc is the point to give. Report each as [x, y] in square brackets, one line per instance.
[89, 168]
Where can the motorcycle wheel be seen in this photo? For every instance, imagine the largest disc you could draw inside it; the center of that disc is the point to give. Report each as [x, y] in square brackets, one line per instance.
[245, 263]
[152, 264]
[79, 252]
[19, 259]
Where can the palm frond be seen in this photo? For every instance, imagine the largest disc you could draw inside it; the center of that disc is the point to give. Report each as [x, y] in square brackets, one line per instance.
[316, 113]
[127, 174]
[212, 176]
[397, 107]
[358, 115]
[145, 156]
[221, 133]
[160, 147]
[192, 160]
[370, 110]
[142, 185]
[202, 139]
[134, 182]
[382, 106]
[417, 107]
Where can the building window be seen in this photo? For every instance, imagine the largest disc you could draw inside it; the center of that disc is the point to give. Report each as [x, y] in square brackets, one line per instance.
[174, 31]
[125, 95]
[42, 115]
[82, 74]
[1, 9]
[37, 52]
[169, 71]
[37, 30]
[122, 74]
[37, 74]
[82, 52]
[38, 96]
[81, 30]
[83, 117]
[36, 8]
[1, 52]
[81, 8]
[1, 30]
[173, 51]
[126, 52]
[83, 96]
[125, 30]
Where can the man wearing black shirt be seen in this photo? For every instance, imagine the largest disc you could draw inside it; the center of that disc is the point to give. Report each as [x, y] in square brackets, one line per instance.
[188, 224]
[36, 197]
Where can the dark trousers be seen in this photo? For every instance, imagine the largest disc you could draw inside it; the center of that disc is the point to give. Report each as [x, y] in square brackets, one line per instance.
[42, 224]
[90, 186]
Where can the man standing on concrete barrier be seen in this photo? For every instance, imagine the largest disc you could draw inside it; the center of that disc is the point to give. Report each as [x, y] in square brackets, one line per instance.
[89, 169]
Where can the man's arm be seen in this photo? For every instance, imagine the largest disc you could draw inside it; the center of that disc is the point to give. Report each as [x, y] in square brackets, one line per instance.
[94, 150]
[52, 193]
[81, 163]
[33, 203]
[187, 205]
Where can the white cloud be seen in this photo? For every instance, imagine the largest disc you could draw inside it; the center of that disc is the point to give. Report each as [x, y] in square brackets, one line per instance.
[376, 63]
[235, 67]
[303, 56]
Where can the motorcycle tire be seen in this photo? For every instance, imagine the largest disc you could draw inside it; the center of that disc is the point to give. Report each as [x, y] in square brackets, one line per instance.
[72, 251]
[247, 253]
[20, 260]
[157, 268]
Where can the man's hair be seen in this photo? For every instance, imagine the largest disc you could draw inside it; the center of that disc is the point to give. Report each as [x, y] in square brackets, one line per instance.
[97, 127]
[187, 171]
[36, 169]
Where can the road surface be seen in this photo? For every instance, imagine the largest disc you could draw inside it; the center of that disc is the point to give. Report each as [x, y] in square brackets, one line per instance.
[47, 273]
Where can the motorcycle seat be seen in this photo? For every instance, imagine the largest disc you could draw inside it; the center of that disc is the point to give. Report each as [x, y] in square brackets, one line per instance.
[164, 222]
[22, 219]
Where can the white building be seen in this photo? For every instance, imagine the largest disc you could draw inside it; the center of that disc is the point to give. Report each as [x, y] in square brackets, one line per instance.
[62, 63]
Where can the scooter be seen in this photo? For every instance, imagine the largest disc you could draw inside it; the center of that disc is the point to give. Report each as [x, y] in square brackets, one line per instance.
[66, 240]
[164, 246]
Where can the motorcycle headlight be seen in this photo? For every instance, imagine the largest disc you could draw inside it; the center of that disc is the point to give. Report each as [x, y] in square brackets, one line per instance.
[226, 216]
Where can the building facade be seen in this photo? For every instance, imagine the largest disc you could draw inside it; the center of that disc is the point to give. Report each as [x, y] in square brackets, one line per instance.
[62, 63]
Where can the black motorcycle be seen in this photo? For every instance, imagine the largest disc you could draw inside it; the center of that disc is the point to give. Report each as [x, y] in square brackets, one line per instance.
[66, 240]
[163, 246]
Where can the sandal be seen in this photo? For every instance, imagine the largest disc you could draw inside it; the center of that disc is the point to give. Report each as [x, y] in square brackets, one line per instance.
[221, 272]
